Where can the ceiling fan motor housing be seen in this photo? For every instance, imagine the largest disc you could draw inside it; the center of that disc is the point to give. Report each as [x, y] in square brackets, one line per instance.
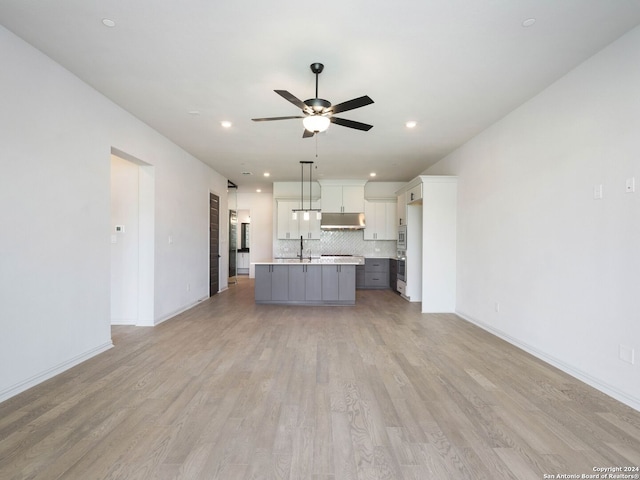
[316, 67]
[318, 105]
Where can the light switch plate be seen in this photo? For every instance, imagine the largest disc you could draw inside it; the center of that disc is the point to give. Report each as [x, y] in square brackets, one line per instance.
[120, 228]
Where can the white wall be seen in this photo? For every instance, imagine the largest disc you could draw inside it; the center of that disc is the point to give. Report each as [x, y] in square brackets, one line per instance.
[56, 136]
[563, 266]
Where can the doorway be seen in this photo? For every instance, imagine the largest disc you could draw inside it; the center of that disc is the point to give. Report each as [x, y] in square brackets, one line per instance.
[214, 243]
[243, 242]
[132, 240]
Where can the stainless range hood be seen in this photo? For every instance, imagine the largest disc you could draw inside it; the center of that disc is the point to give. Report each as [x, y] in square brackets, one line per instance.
[342, 221]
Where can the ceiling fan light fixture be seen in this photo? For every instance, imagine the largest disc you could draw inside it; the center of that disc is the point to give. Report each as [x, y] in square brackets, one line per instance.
[316, 123]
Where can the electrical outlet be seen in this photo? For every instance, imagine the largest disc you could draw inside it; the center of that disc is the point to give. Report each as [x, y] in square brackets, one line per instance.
[630, 186]
[497, 306]
[597, 192]
[188, 287]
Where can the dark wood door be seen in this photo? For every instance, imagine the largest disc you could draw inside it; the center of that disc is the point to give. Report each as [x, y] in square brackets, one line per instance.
[214, 243]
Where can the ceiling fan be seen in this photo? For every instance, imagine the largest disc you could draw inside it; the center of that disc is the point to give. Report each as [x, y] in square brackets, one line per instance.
[318, 112]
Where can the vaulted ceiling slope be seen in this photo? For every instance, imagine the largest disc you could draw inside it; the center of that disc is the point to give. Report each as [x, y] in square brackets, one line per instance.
[453, 66]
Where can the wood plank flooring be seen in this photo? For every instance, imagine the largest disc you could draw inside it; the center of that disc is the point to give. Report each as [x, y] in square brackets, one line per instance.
[233, 390]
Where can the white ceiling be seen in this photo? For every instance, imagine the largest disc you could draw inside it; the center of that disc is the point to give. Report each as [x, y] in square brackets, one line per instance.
[454, 66]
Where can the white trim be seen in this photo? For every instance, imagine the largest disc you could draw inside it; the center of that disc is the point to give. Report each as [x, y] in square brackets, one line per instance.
[169, 316]
[596, 383]
[52, 372]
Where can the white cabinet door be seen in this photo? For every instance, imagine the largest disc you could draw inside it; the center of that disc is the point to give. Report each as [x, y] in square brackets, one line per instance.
[243, 260]
[343, 198]
[414, 194]
[402, 210]
[380, 218]
[372, 219]
[309, 229]
[332, 198]
[353, 198]
[390, 226]
[287, 227]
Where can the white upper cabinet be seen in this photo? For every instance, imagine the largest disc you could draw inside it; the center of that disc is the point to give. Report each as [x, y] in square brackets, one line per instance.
[414, 194]
[380, 218]
[401, 215]
[309, 229]
[288, 228]
[342, 198]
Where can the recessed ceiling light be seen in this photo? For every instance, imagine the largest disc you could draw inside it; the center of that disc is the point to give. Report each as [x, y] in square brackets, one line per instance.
[107, 22]
[411, 124]
[372, 174]
[528, 22]
[247, 173]
[193, 112]
[226, 124]
[258, 190]
[266, 174]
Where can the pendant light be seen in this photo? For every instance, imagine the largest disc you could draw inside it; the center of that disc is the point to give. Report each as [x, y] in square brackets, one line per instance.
[306, 212]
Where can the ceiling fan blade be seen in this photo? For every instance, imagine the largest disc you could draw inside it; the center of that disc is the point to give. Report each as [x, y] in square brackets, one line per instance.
[295, 100]
[350, 104]
[351, 124]
[269, 119]
[307, 134]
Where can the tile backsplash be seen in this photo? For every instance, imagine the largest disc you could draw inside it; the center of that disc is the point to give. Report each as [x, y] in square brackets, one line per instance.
[337, 242]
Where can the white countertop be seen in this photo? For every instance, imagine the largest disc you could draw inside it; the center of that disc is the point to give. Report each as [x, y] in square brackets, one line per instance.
[314, 260]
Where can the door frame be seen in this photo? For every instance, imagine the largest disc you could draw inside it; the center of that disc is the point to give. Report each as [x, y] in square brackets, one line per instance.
[146, 240]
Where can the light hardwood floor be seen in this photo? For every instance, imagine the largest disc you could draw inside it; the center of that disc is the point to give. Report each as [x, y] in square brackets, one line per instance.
[231, 390]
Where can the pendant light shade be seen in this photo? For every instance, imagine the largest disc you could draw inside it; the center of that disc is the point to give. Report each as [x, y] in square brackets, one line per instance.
[316, 123]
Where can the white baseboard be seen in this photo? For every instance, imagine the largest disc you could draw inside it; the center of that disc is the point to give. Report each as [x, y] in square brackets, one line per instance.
[169, 316]
[52, 372]
[123, 321]
[596, 383]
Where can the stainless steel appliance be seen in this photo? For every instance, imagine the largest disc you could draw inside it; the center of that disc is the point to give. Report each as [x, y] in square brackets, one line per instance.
[402, 238]
[402, 266]
[342, 221]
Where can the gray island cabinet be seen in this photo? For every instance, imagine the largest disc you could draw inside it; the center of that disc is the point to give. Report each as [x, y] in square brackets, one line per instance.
[307, 282]
[272, 283]
[339, 283]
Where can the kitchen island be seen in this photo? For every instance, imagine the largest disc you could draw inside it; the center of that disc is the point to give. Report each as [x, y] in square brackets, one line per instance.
[307, 281]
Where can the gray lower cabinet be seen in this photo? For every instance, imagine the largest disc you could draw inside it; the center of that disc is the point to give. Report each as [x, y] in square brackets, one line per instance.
[374, 274]
[360, 277]
[305, 283]
[339, 283]
[272, 283]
